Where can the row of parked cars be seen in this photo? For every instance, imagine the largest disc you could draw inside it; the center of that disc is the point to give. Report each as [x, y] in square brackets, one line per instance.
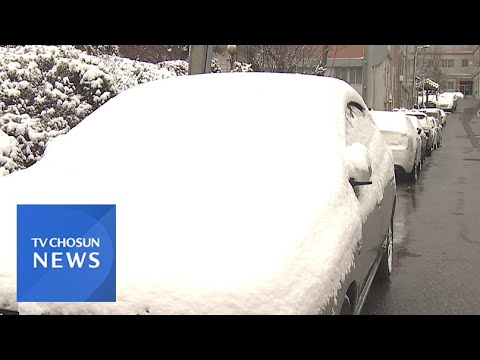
[412, 135]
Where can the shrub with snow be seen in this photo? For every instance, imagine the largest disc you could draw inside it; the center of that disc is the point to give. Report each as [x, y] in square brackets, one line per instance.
[215, 67]
[319, 71]
[47, 90]
[242, 67]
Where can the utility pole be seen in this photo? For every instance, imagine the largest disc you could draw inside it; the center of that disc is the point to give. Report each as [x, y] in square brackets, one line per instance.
[414, 82]
[200, 58]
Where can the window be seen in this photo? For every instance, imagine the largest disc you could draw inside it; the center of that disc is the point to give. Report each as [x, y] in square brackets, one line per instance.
[341, 73]
[356, 75]
[451, 85]
[352, 75]
[464, 62]
[448, 62]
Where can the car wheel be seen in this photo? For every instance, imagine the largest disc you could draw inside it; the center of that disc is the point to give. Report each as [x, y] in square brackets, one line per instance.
[346, 306]
[386, 264]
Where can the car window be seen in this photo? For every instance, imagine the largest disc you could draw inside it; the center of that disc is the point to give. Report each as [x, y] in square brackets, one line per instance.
[359, 126]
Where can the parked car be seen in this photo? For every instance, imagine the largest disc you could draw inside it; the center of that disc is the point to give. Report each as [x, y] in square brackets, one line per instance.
[285, 206]
[423, 136]
[459, 95]
[403, 139]
[444, 117]
[436, 113]
[428, 127]
[447, 101]
[438, 129]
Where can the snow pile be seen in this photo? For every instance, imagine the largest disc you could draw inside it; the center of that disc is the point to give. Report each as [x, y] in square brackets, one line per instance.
[253, 214]
[47, 90]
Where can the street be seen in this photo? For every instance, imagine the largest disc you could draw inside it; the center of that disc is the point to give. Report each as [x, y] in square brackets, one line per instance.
[436, 261]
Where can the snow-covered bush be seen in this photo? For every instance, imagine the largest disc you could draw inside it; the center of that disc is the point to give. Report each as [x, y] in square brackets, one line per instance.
[214, 67]
[242, 67]
[179, 67]
[319, 71]
[127, 73]
[47, 90]
[98, 50]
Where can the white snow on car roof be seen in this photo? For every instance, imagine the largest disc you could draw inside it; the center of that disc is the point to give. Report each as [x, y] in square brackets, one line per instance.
[390, 121]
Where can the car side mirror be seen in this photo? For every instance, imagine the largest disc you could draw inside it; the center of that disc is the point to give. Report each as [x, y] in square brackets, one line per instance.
[419, 131]
[357, 163]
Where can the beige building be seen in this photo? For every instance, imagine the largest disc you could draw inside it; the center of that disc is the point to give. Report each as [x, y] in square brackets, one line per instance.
[458, 65]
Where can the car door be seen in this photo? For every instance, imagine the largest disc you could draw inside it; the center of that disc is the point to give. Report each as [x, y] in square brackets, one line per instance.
[361, 129]
[416, 140]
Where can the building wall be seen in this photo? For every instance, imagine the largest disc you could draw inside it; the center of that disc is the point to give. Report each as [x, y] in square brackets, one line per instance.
[346, 52]
[347, 63]
[476, 76]
[452, 59]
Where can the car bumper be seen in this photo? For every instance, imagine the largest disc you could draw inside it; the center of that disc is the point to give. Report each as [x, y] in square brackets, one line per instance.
[445, 107]
[403, 158]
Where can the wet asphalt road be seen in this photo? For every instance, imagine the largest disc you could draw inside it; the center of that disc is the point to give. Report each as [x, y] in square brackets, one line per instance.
[437, 229]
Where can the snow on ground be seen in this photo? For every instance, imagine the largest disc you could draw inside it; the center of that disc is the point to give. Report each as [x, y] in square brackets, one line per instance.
[253, 213]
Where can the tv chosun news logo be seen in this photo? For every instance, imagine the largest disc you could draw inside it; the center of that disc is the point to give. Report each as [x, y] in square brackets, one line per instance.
[66, 253]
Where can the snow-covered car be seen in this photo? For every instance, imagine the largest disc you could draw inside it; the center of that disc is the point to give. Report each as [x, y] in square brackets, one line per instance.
[403, 139]
[428, 127]
[439, 131]
[436, 113]
[447, 101]
[459, 95]
[423, 136]
[283, 204]
[444, 117]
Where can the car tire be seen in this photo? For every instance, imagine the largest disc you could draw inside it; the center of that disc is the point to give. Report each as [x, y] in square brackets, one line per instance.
[386, 263]
[346, 306]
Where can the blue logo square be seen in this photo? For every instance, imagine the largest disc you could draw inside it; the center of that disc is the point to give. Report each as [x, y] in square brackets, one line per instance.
[66, 253]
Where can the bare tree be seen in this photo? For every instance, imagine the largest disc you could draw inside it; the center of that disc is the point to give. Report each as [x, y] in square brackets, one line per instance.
[154, 53]
[285, 58]
[430, 67]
